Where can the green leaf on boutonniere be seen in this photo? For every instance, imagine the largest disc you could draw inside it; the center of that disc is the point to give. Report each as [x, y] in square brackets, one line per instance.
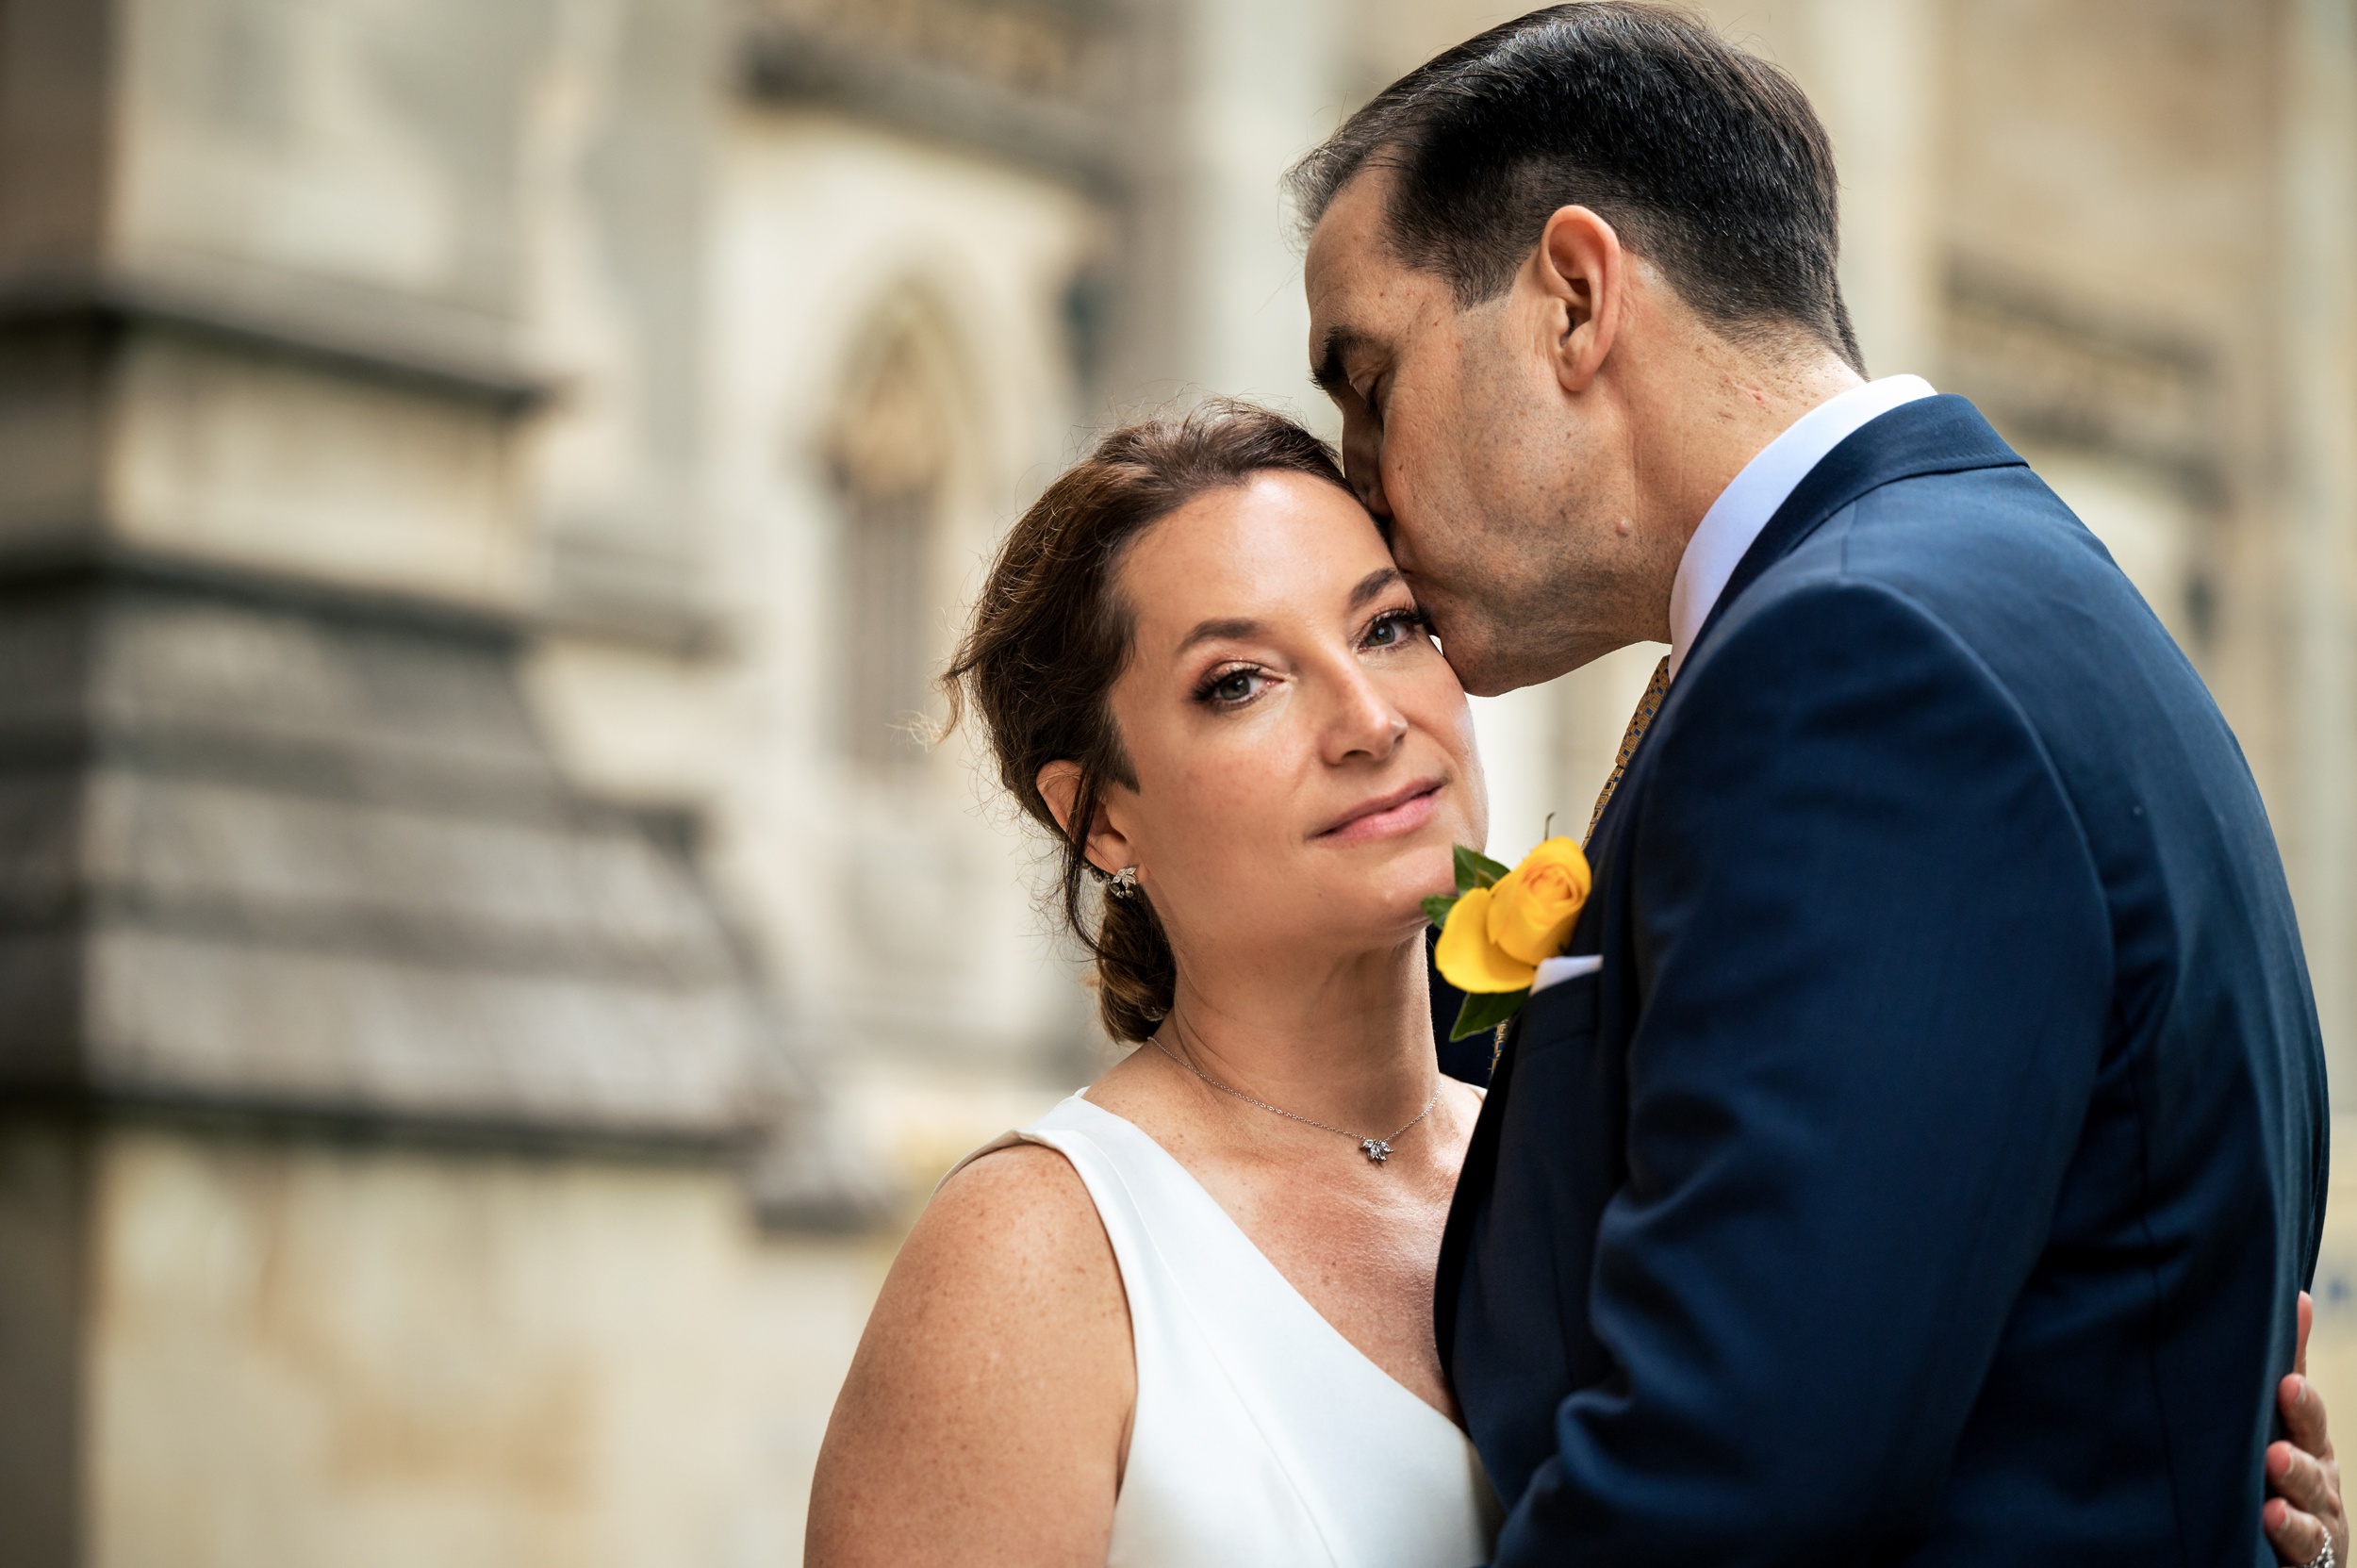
[1485, 1010]
[1475, 870]
[1436, 908]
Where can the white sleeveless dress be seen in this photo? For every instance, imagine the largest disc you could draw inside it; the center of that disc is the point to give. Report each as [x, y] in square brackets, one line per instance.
[1262, 1435]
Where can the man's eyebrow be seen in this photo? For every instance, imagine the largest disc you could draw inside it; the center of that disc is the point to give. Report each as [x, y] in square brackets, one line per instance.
[1372, 586]
[1329, 372]
[1213, 631]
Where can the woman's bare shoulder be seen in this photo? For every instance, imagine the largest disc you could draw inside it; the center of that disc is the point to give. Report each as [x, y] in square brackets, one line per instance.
[986, 1412]
[1010, 1263]
[1008, 1212]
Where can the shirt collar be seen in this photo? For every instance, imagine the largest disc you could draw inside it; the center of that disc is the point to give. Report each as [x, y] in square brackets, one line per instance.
[1744, 508]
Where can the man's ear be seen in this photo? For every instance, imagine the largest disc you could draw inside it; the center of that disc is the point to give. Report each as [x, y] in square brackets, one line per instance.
[1582, 272]
[1059, 785]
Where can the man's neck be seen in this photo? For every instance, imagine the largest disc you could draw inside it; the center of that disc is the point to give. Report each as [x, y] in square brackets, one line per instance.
[1713, 421]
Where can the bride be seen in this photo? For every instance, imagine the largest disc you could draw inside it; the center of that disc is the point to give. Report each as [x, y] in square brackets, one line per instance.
[1186, 1316]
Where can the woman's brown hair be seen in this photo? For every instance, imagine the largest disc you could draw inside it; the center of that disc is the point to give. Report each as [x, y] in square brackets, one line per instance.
[1050, 636]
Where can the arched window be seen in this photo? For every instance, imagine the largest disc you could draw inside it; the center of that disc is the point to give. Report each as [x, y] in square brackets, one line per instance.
[892, 452]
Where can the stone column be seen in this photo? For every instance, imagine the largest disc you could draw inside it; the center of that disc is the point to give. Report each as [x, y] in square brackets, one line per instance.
[1871, 70]
[2318, 346]
[1235, 90]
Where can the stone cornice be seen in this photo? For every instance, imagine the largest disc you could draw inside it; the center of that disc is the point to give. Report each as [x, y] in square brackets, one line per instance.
[788, 62]
[346, 335]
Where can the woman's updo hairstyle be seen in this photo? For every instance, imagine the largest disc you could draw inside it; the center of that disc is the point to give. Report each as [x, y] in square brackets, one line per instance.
[1049, 636]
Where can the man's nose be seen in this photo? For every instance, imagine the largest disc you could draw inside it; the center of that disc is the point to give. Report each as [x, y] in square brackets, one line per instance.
[1362, 464]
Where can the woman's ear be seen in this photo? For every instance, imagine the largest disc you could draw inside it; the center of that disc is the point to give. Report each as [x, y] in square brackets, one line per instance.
[1059, 785]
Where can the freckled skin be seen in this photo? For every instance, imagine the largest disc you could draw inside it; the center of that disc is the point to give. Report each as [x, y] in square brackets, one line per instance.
[986, 1416]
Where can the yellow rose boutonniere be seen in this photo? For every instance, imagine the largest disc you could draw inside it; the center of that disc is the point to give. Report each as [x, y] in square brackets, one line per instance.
[1502, 924]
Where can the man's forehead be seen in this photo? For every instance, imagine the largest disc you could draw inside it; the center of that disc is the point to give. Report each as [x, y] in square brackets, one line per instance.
[1364, 296]
[1348, 250]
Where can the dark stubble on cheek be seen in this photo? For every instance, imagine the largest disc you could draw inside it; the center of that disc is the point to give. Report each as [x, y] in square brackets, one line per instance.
[1497, 568]
[1544, 582]
[1619, 594]
[1521, 630]
[1494, 525]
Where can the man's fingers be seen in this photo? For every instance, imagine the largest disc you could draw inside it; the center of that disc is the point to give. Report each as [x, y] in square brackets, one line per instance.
[2307, 1321]
[2295, 1537]
[2304, 1415]
[2299, 1480]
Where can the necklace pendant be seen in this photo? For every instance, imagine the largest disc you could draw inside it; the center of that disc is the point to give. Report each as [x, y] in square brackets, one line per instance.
[1377, 1150]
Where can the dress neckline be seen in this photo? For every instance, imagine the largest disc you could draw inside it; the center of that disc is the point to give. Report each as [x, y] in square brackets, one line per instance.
[1199, 1192]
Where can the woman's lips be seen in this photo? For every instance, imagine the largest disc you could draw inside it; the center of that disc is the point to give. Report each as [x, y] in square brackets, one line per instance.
[1388, 817]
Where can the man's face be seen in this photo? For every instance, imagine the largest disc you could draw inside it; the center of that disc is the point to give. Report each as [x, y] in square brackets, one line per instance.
[1506, 498]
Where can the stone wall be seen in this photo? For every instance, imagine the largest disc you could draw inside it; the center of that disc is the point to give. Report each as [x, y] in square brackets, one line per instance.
[298, 1351]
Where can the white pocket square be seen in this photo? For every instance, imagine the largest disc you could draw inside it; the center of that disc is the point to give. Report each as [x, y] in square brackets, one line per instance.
[1554, 971]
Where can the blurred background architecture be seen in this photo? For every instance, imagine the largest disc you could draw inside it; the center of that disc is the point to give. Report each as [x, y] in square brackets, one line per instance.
[486, 964]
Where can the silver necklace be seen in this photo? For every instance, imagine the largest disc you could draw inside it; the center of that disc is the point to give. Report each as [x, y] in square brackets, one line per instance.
[1376, 1149]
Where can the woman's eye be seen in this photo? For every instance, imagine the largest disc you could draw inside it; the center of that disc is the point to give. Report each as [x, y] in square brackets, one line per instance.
[1394, 629]
[1237, 686]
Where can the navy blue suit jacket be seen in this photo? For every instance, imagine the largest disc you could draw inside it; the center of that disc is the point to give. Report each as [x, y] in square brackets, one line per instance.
[1929, 1172]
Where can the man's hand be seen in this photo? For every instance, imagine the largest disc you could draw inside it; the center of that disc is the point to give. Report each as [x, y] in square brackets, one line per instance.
[2305, 1512]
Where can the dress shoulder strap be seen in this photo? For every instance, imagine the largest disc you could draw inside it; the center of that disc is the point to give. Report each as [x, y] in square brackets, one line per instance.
[1157, 1215]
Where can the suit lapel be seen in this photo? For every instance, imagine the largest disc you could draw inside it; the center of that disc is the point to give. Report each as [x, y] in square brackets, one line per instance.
[1935, 435]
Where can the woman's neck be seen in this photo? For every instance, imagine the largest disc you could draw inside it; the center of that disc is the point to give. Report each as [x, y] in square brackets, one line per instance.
[1350, 1043]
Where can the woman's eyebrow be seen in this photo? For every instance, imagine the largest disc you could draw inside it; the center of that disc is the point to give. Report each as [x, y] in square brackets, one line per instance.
[1240, 627]
[1214, 630]
[1372, 586]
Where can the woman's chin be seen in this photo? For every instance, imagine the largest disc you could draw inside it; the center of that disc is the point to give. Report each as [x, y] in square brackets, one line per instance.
[1378, 901]
[1429, 870]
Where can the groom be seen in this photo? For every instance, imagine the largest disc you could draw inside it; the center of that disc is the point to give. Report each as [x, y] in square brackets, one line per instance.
[1925, 1157]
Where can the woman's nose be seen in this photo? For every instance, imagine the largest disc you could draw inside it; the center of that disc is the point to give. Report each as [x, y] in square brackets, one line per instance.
[1365, 723]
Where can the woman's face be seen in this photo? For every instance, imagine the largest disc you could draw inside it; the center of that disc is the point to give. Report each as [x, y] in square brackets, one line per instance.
[1304, 755]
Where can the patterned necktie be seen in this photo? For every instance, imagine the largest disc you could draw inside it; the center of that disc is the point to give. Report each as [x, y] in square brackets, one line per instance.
[1639, 721]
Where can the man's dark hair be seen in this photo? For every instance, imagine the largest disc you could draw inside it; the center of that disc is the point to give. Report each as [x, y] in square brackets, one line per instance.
[1708, 161]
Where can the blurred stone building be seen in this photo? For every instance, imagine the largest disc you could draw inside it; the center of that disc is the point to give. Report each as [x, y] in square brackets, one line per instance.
[484, 484]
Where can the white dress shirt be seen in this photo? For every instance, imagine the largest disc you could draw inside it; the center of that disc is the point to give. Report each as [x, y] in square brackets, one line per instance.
[1734, 521]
